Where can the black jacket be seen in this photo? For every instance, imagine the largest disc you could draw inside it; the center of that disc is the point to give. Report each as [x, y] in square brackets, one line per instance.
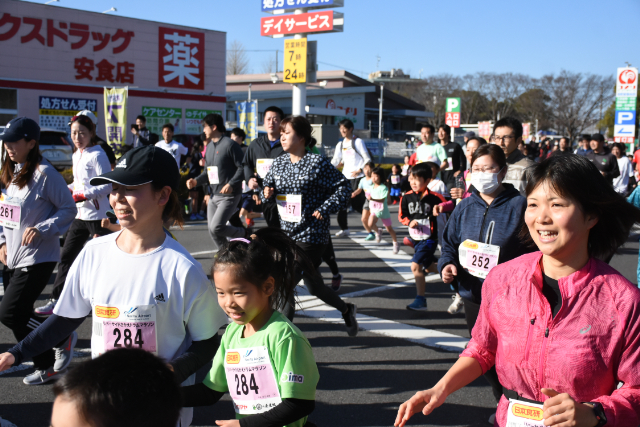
[260, 148]
[606, 163]
[226, 154]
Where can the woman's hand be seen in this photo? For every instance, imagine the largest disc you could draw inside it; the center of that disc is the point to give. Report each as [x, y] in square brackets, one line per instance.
[268, 192]
[456, 193]
[317, 215]
[228, 423]
[3, 253]
[425, 401]
[29, 235]
[562, 410]
[448, 273]
[6, 361]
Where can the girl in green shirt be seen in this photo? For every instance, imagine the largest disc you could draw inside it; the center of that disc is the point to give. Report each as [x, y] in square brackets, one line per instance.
[379, 209]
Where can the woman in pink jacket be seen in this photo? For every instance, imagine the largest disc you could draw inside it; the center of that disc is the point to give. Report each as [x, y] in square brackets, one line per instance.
[560, 325]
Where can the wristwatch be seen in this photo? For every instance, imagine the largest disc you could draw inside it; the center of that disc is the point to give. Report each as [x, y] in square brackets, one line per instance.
[598, 411]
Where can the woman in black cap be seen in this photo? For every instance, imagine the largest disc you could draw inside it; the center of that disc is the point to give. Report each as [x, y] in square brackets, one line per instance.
[142, 287]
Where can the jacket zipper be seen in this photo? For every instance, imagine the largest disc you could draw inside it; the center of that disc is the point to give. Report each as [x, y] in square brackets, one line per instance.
[529, 338]
[542, 354]
[484, 216]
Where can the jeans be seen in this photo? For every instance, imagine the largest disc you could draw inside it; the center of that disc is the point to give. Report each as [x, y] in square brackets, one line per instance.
[218, 213]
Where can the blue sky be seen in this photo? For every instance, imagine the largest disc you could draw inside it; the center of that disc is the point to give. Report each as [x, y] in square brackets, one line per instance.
[533, 37]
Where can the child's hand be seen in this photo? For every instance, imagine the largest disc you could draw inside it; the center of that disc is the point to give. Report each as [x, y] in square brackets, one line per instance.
[437, 210]
[448, 273]
[368, 196]
[413, 224]
[268, 192]
[228, 423]
[317, 215]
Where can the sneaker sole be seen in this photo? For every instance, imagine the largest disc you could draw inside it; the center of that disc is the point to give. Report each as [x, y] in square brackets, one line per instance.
[73, 346]
[46, 380]
[41, 313]
[417, 309]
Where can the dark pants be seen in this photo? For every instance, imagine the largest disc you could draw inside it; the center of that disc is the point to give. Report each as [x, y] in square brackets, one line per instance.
[270, 213]
[356, 202]
[329, 256]
[471, 311]
[314, 282]
[78, 234]
[23, 288]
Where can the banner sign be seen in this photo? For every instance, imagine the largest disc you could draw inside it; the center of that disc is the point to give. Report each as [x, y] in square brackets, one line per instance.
[193, 120]
[56, 112]
[115, 114]
[159, 116]
[247, 112]
[269, 6]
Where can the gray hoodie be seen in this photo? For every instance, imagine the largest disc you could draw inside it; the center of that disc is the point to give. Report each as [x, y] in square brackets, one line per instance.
[227, 155]
[46, 204]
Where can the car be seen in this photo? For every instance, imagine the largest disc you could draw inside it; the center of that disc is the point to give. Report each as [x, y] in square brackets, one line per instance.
[55, 146]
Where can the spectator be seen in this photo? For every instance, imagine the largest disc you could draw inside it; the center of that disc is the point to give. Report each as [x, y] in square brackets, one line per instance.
[507, 133]
[176, 149]
[456, 162]
[140, 132]
[583, 146]
[564, 147]
[467, 136]
[606, 162]
[621, 183]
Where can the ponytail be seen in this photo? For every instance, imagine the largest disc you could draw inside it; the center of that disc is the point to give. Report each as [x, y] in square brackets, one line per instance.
[270, 253]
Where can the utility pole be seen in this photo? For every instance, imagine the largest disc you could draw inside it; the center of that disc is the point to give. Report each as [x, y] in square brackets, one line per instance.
[380, 112]
[299, 100]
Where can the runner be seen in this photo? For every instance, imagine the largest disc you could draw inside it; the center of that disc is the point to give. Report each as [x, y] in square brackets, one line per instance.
[456, 162]
[175, 148]
[352, 154]
[394, 181]
[92, 202]
[621, 183]
[431, 151]
[606, 162]
[259, 157]
[254, 278]
[507, 134]
[380, 209]
[119, 388]
[308, 189]
[482, 232]
[36, 208]
[416, 212]
[141, 287]
[560, 325]
[223, 173]
[365, 186]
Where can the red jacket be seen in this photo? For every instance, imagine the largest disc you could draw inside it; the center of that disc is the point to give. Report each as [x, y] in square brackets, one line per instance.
[591, 345]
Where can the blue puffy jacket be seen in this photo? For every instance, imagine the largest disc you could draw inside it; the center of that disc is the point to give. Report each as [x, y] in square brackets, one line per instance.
[496, 224]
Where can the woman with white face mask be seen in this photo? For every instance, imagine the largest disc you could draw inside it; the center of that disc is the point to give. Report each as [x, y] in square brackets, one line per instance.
[482, 232]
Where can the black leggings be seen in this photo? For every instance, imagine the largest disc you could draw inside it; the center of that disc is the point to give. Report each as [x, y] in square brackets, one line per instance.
[78, 234]
[24, 286]
[329, 257]
[471, 311]
[355, 202]
[314, 282]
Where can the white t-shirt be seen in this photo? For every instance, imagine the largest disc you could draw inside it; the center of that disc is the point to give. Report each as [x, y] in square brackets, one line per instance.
[437, 186]
[174, 148]
[163, 298]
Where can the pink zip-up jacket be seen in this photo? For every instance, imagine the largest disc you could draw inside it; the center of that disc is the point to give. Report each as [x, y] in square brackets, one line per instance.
[591, 345]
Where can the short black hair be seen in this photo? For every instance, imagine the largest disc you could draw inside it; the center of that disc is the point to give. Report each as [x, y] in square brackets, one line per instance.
[380, 172]
[481, 140]
[276, 110]
[577, 178]
[494, 151]
[446, 127]
[510, 122]
[432, 165]
[215, 120]
[620, 146]
[597, 137]
[585, 137]
[422, 170]
[124, 388]
[428, 126]
[346, 123]
[141, 117]
[239, 132]
[168, 126]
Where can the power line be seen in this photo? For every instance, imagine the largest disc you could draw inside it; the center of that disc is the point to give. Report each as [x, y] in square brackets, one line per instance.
[362, 73]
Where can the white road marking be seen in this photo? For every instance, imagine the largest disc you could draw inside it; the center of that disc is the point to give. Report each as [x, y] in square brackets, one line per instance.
[194, 254]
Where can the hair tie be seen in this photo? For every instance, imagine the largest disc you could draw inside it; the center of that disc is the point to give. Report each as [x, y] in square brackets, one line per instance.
[241, 239]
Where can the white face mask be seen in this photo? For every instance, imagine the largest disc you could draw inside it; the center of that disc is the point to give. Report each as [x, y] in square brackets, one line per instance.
[485, 182]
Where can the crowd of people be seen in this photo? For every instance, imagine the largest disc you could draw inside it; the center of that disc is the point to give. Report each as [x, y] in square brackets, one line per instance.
[522, 241]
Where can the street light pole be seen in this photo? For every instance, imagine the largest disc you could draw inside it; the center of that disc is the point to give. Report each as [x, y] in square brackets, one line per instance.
[299, 91]
[380, 112]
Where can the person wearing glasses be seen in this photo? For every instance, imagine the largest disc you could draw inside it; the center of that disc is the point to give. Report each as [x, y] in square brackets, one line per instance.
[507, 134]
[481, 233]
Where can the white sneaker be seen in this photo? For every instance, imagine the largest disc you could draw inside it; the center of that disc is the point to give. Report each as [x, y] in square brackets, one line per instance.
[41, 377]
[396, 248]
[64, 355]
[47, 309]
[456, 305]
[379, 235]
[343, 233]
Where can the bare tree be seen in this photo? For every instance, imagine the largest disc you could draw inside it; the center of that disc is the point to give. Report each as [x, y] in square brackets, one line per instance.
[268, 65]
[237, 60]
[576, 99]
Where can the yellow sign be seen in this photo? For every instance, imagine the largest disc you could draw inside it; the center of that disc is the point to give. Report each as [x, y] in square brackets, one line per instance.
[295, 61]
[115, 112]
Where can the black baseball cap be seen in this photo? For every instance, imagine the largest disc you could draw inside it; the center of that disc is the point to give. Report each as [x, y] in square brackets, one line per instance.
[143, 165]
[21, 127]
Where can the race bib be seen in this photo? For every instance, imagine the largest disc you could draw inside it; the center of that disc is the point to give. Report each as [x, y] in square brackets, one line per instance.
[212, 173]
[449, 164]
[376, 206]
[478, 258]
[524, 414]
[251, 380]
[395, 179]
[422, 231]
[133, 328]
[289, 207]
[10, 211]
[263, 166]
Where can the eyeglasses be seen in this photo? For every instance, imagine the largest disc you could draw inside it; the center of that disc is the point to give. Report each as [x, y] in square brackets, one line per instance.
[504, 138]
[485, 169]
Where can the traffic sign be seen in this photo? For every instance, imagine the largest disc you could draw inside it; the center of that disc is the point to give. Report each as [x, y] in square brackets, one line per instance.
[453, 105]
[625, 118]
[452, 119]
[452, 114]
[626, 103]
[278, 6]
[313, 22]
[295, 61]
[624, 130]
[627, 82]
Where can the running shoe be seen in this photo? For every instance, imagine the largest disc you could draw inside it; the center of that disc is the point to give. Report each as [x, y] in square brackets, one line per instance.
[379, 235]
[250, 222]
[64, 355]
[420, 303]
[396, 247]
[41, 377]
[407, 242]
[343, 233]
[350, 319]
[47, 309]
[492, 419]
[370, 237]
[200, 217]
[336, 281]
[193, 217]
[456, 305]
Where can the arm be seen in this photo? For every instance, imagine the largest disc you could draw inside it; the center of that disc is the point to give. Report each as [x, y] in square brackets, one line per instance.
[448, 206]
[403, 212]
[287, 412]
[361, 148]
[143, 136]
[268, 181]
[237, 154]
[199, 395]
[450, 242]
[615, 171]
[340, 186]
[56, 191]
[248, 164]
[337, 155]
[101, 165]
[196, 356]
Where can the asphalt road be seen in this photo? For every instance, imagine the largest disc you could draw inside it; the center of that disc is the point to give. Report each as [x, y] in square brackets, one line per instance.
[362, 379]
